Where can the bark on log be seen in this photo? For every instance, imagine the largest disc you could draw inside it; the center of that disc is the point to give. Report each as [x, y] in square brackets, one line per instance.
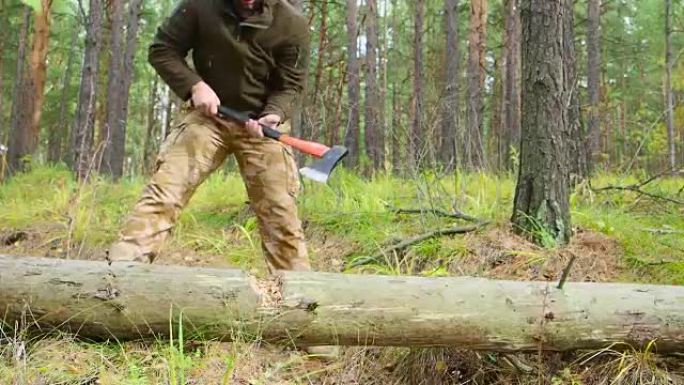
[130, 301]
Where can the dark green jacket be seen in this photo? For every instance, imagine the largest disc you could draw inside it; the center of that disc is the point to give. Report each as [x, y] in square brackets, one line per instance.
[257, 65]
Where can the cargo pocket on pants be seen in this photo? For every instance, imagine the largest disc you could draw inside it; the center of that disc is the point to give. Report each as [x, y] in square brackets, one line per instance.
[292, 172]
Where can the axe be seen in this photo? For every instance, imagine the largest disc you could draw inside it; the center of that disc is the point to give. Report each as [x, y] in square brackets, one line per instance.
[320, 170]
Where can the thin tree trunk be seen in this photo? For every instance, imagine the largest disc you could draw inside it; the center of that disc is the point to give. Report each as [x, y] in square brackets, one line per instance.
[351, 139]
[334, 129]
[372, 137]
[511, 85]
[577, 141]
[149, 149]
[477, 39]
[19, 85]
[25, 136]
[593, 78]
[131, 301]
[669, 103]
[114, 105]
[60, 131]
[450, 101]
[541, 204]
[4, 38]
[416, 138]
[84, 125]
[119, 134]
[494, 143]
[322, 42]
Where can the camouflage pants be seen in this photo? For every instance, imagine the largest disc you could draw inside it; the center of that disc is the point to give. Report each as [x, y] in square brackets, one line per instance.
[192, 151]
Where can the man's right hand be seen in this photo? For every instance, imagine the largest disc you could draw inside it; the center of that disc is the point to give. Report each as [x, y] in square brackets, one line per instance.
[205, 99]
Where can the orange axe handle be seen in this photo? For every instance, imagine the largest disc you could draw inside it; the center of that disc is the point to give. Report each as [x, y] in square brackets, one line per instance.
[305, 146]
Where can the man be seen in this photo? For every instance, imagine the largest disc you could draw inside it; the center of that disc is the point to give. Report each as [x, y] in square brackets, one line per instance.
[249, 55]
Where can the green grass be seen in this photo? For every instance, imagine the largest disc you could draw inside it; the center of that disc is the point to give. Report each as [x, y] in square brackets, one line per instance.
[348, 218]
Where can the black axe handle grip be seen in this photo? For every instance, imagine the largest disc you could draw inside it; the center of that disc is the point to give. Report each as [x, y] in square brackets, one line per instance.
[241, 117]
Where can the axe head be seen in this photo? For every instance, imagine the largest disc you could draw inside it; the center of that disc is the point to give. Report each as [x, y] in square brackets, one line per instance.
[320, 170]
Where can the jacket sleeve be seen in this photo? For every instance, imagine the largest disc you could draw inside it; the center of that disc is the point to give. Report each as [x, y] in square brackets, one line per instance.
[170, 47]
[289, 76]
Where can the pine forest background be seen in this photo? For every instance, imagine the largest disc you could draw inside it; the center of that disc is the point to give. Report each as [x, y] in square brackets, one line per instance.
[406, 85]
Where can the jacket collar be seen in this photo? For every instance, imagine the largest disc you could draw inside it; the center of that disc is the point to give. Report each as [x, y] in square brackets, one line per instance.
[261, 20]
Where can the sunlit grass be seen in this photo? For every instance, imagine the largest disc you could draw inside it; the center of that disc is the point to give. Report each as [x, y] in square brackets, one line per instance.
[355, 212]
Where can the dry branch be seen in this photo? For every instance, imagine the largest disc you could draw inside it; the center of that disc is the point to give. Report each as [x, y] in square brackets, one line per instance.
[132, 301]
[437, 212]
[404, 244]
[638, 187]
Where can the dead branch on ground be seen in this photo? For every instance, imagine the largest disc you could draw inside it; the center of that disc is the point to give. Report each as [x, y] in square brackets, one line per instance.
[638, 187]
[404, 244]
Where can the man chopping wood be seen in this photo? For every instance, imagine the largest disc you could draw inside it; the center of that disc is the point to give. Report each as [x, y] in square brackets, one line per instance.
[249, 55]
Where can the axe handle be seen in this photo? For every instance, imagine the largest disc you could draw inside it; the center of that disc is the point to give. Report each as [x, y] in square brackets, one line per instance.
[305, 146]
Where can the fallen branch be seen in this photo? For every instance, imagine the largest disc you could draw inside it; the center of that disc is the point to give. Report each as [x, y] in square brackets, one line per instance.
[414, 240]
[663, 231]
[437, 212]
[638, 187]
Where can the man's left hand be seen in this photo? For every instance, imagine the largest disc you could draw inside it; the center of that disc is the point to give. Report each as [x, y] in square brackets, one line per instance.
[254, 128]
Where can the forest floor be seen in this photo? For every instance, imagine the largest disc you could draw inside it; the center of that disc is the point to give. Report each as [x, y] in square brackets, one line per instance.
[619, 236]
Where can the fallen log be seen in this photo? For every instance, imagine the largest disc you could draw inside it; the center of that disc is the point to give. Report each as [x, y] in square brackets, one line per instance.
[135, 301]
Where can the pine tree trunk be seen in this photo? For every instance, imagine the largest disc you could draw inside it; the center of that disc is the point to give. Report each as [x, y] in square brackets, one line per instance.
[19, 77]
[149, 149]
[577, 141]
[450, 101]
[351, 139]
[60, 132]
[494, 144]
[25, 136]
[4, 37]
[371, 131]
[669, 103]
[129, 301]
[322, 51]
[416, 137]
[114, 104]
[511, 84]
[474, 145]
[593, 78]
[84, 127]
[541, 204]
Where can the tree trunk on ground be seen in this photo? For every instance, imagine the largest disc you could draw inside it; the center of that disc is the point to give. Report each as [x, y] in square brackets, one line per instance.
[19, 85]
[372, 128]
[351, 138]
[129, 301]
[577, 139]
[114, 106]
[477, 40]
[541, 208]
[25, 136]
[416, 137]
[593, 78]
[669, 103]
[60, 132]
[450, 100]
[84, 125]
[510, 113]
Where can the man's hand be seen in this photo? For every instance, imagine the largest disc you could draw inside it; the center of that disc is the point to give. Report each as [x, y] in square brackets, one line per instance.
[205, 99]
[254, 128]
